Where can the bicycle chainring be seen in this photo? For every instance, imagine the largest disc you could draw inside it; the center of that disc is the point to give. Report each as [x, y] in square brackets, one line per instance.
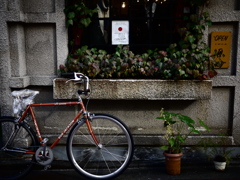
[44, 159]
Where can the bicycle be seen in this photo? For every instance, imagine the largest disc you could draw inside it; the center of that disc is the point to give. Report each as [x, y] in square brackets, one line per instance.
[99, 146]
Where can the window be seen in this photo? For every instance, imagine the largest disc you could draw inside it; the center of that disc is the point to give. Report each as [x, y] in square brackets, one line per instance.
[152, 23]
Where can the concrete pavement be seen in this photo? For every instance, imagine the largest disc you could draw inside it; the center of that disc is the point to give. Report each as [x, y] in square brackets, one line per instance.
[145, 170]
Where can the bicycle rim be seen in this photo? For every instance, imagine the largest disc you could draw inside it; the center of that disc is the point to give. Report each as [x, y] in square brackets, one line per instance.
[108, 161]
[14, 165]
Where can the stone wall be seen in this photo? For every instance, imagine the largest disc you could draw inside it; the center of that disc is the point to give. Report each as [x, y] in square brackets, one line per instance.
[33, 42]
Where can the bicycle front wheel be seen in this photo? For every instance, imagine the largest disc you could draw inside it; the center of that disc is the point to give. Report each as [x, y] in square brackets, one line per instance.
[107, 160]
[14, 163]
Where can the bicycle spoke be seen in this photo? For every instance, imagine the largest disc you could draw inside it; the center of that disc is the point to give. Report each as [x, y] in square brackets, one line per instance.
[106, 163]
[114, 155]
[87, 138]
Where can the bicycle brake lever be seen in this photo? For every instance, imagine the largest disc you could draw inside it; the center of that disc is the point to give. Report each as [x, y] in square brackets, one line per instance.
[79, 82]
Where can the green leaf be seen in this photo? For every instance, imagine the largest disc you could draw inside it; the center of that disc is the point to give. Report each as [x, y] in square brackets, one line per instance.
[164, 147]
[118, 54]
[182, 72]
[160, 118]
[171, 141]
[171, 114]
[194, 46]
[180, 138]
[191, 39]
[190, 125]
[70, 22]
[71, 15]
[169, 122]
[195, 131]
[204, 125]
[85, 21]
[186, 119]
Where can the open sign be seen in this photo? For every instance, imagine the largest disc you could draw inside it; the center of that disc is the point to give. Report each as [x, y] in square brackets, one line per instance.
[221, 46]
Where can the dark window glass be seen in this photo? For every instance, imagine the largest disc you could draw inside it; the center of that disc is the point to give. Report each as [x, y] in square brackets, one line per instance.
[152, 23]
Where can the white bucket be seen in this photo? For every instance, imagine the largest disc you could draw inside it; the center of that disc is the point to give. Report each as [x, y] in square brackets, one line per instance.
[220, 166]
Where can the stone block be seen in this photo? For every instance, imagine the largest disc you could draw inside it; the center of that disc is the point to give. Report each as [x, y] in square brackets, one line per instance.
[38, 6]
[19, 82]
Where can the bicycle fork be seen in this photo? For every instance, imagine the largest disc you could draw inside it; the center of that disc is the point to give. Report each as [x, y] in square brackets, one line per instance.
[87, 121]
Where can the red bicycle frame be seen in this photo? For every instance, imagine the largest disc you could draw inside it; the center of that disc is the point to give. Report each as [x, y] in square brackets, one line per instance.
[29, 110]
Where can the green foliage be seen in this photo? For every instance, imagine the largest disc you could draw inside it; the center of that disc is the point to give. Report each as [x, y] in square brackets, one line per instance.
[178, 128]
[190, 58]
[191, 53]
[123, 63]
[78, 14]
[216, 148]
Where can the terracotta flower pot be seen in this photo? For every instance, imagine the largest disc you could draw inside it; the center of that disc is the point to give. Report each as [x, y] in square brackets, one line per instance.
[173, 163]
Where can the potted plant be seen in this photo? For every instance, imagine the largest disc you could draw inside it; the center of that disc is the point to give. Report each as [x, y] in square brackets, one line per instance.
[178, 128]
[217, 150]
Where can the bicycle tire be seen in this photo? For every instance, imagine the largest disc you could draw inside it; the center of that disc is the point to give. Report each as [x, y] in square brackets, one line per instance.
[14, 165]
[100, 163]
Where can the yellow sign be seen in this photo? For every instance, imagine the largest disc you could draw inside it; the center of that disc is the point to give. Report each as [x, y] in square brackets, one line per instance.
[221, 46]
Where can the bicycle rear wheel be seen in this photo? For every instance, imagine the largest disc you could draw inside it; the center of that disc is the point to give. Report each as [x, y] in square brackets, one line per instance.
[104, 162]
[14, 163]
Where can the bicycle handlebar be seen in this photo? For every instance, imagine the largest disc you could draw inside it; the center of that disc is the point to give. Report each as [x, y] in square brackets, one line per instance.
[80, 78]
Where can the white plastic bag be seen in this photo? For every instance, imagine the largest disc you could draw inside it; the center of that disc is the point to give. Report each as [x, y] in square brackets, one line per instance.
[21, 99]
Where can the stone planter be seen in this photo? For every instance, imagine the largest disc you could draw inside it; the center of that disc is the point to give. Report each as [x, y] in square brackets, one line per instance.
[137, 89]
